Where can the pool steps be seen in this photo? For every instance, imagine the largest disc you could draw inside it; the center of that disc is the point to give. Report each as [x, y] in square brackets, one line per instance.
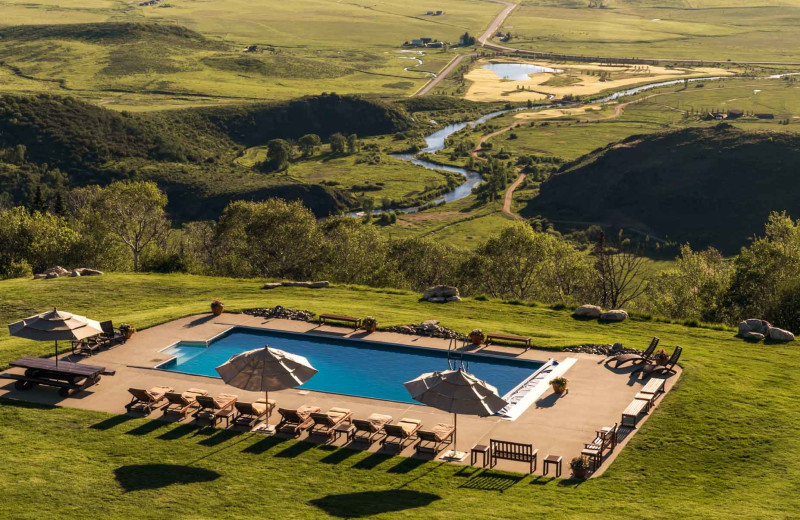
[521, 397]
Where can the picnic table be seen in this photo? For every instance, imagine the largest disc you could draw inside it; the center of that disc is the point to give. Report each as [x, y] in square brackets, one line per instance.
[66, 376]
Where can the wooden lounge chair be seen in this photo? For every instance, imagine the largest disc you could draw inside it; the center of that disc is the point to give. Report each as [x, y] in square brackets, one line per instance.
[110, 335]
[215, 408]
[182, 403]
[652, 368]
[404, 431]
[325, 422]
[644, 357]
[433, 440]
[145, 400]
[367, 429]
[296, 421]
[249, 414]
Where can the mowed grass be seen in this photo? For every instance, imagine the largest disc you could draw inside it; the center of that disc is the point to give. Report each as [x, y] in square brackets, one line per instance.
[764, 30]
[722, 444]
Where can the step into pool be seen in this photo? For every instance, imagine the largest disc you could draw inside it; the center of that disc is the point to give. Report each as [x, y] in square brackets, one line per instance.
[349, 367]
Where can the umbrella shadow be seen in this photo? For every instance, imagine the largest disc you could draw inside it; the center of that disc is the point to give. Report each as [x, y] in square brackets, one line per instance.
[137, 477]
[371, 503]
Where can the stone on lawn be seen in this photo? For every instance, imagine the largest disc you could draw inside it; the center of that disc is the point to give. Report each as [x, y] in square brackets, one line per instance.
[588, 311]
[614, 315]
[271, 285]
[776, 334]
[754, 325]
[755, 337]
[441, 294]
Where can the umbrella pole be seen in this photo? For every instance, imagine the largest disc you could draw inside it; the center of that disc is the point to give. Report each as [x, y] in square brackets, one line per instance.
[56, 352]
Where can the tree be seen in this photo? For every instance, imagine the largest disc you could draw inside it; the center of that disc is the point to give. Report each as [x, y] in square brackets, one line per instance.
[308, 144]
[467, 39]
[424, 262]
[357, 254]
[35, 239]
[353, 145]
[620, 274]
[134, 214]
[338, 143]
[279, 152]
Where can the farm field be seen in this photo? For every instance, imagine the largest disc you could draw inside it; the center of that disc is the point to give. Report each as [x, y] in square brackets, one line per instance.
[712, 30]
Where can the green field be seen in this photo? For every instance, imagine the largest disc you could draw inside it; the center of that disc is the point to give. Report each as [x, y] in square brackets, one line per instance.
[722, 444]
[716, 30]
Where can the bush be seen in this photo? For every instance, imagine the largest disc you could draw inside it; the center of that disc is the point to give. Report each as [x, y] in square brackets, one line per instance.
[20, 269]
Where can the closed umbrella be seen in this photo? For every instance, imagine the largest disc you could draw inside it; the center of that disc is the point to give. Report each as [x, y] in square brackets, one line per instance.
[265, 369]
[456, 392]
[54, 326]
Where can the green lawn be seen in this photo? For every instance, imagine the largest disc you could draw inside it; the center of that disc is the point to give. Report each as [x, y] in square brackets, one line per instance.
[722, 444]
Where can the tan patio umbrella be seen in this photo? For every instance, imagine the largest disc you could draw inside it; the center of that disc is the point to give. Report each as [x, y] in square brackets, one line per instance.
[265, 369]
[54, 326]
[456, 392]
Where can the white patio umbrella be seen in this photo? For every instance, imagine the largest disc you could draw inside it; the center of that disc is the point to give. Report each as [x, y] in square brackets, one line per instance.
[54, 326]
[265, 369]
[456, 392]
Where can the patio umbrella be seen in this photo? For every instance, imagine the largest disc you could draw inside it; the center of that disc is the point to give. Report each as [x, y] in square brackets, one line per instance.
[457, 392]
[265, 369]
[54, 326]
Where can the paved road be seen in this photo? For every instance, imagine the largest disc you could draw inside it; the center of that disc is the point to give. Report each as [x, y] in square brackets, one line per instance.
[498, 21]
[443, 74]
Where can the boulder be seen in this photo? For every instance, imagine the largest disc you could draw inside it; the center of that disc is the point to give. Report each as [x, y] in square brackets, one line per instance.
[85, 271]
[40, 276]
[441, 293]
[271, 285]
[308, 285]
[614, 315]
[616, 348]
[588, 311]
[454, 299]
[48, 276]
[776, 334]
[755, 337]
[753, 325]
[75, 272]
[318, 285]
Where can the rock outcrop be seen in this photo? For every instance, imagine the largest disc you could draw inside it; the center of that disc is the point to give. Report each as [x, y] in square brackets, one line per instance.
[310, 285]
[776, 334]
[591, 312]
[614, 315]
[442, 294]
[280, 312]
[59, 272]
[754, 325]
[429, 328]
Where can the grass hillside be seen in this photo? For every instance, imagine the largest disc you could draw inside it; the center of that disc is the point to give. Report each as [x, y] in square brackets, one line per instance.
[722, 444]
[706, 186]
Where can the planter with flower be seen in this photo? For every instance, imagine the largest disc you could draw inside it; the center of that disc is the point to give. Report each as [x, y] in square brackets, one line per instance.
[217, 307]
[476, 336]
[127, 330]
[559, 384]
[661, 357]
[370, 324]
[579, 467]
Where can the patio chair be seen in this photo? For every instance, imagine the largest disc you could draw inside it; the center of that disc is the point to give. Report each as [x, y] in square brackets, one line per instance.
[325, 422]
[644, 357]
[367, 429]
[433, 440]
[605, 439]
[145, 400]
[404, 431]
[182, 403]
[215, 408]
[296, 421]
[110, 335]
[88, 346]
[250, 414]
[653, 368]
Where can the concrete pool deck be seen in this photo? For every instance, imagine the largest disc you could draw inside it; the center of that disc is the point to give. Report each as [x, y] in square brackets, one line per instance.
[555, 425]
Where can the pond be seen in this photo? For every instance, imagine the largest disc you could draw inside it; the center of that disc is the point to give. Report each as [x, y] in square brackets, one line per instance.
[517, 71]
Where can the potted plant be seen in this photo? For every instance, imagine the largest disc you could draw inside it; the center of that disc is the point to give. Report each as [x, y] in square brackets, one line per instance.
[559, 384]
[476, 336]
[370, 324]
[661, 357]
[127, 330]
[217, 307]
[579, 467]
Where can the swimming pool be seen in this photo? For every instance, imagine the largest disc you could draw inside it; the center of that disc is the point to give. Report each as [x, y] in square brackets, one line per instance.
[358, 368]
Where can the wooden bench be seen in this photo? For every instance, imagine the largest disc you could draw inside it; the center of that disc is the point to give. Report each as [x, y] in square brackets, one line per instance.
[655, 386]
[632, 412]
[509, 337]
[67, 377]
[337, 317]
[514, 451]
[605, 439]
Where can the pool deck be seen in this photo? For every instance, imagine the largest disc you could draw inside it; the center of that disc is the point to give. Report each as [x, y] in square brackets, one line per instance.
[557, 425]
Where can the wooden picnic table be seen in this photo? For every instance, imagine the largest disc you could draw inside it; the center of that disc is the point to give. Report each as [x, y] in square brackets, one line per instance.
[66, 376]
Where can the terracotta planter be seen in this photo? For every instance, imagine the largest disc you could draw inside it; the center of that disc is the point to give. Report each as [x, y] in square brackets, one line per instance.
[217, 309]
[579, 472]
[559, 389]
[476, 339]
[371, 328]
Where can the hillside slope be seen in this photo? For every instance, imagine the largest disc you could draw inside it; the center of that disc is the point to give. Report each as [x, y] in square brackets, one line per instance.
[712, 186]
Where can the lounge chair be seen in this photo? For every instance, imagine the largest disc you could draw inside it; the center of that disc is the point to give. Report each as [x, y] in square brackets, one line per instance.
[215, 408]
[369, 428]
[644, 357]
[398, 434]
[433, 440]
[182, 403]
[325, 422]
[653, 368]
[145, 400]
[296, 421]
[249, 414]
[110, 335]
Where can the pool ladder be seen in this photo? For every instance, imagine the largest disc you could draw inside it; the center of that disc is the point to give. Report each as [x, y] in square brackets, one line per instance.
[455, 355]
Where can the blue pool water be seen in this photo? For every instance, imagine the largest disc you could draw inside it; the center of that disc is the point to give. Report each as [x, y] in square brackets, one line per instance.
[347, 367]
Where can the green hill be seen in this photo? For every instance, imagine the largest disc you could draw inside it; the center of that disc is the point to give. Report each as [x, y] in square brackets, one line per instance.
[713, 186]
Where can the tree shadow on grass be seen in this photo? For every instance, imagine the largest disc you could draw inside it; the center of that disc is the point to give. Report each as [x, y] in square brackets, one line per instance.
[155, 476]
[264, 445]
[111, 422]
[371, 503]
[492, 481]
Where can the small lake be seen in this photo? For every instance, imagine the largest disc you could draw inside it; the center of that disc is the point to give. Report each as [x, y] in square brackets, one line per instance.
[517, 71]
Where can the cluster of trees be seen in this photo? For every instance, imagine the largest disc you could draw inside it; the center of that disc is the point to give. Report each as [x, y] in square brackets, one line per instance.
[281, 151]
[124, 226]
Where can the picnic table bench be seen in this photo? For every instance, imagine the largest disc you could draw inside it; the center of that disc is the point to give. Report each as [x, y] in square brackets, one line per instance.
[515, 451]
[67, 377]
[509, 337]
[630, 416]
[339, 317]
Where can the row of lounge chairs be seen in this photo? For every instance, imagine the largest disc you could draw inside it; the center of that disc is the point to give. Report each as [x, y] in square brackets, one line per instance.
[646, 360]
